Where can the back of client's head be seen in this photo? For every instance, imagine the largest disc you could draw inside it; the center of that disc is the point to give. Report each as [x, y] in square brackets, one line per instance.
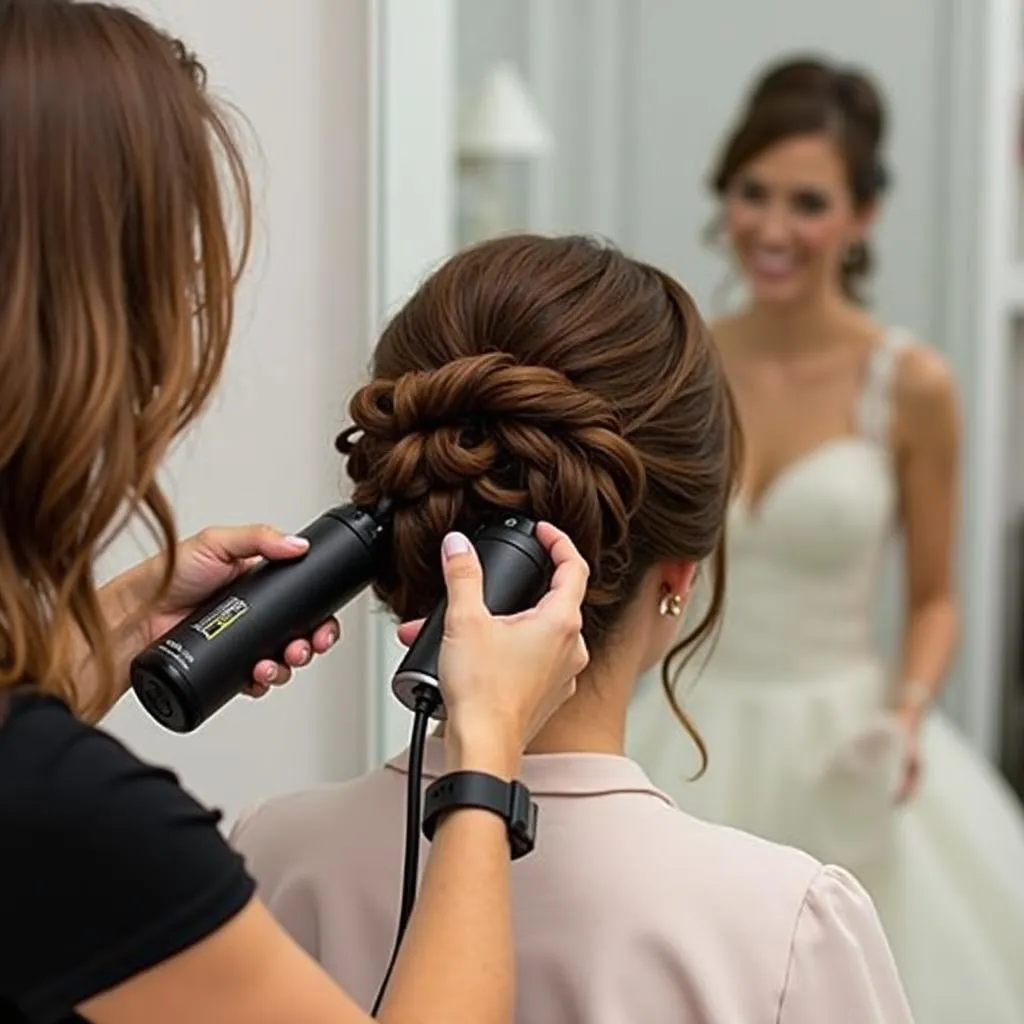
[558, 377]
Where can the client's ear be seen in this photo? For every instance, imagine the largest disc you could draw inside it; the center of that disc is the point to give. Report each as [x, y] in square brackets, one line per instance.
[677, 578]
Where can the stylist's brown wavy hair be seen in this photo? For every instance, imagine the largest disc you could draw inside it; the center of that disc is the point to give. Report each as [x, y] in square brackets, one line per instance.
[117, 274]
[558, 377]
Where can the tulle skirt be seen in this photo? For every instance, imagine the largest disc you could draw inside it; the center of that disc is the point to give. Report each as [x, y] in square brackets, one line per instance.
[815, 765]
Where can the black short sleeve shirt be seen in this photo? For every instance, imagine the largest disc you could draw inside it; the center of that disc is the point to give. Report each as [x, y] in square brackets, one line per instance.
[107, 866]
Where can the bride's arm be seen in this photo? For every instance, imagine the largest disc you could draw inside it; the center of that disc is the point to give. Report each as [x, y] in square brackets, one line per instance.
[928, 441]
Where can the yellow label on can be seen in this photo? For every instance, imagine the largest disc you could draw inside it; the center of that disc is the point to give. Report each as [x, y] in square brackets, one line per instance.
[226, 613]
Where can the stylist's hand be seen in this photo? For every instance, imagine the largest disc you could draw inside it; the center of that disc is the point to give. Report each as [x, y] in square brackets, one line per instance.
[503, 676]
[213, 558]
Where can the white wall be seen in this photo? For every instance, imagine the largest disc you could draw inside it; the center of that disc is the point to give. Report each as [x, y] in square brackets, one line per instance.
[641, 93]
[416, 65]
[300, 73]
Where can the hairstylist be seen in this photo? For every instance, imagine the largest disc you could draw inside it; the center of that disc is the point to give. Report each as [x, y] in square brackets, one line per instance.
[120, 901]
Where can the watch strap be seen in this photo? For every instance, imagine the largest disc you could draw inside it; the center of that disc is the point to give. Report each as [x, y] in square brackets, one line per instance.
[511, 801]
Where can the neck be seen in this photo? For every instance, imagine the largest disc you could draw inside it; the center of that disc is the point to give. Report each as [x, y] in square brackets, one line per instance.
[797, 328]
[593, 720]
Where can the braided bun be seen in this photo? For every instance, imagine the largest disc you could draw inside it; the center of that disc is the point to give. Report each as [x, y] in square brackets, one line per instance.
[556, 377]
[480, 434]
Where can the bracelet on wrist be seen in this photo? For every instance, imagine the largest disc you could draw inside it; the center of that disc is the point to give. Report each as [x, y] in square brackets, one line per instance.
[511, 801]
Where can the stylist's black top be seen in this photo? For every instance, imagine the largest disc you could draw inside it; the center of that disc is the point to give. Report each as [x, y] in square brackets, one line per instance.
[107, 867]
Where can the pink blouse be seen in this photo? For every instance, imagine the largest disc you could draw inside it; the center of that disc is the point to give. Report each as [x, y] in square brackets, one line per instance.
[628, 909]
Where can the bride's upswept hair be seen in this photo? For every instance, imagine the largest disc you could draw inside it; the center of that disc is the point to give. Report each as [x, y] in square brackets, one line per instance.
[559, 377]
[118, 275]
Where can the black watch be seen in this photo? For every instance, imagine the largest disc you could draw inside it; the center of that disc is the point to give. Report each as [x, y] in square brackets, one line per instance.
[509, 800]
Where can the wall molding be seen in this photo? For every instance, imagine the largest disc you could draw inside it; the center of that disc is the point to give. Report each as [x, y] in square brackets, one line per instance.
[982, 142]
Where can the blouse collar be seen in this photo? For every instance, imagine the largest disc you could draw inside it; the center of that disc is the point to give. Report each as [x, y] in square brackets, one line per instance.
[556, 774]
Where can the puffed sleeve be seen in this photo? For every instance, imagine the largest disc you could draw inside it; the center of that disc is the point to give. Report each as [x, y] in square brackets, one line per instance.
[841, 969]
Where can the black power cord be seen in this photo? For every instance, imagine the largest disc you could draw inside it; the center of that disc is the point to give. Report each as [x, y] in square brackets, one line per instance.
[428, 699]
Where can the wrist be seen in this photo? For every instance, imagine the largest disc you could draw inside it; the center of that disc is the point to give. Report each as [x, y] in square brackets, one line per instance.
[913, 703]
[482, 746]
[910, 718]
[124, 601]
[131, 596]
[510, 802]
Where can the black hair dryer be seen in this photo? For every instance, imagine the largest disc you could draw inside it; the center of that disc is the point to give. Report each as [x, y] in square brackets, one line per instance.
[517, 573]
[199, 665]
[194, 669]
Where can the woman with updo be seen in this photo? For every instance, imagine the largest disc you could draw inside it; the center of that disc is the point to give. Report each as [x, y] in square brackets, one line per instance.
[561, 378]
[852, 436]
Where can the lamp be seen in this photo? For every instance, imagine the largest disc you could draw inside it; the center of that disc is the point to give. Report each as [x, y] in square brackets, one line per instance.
[499, 126]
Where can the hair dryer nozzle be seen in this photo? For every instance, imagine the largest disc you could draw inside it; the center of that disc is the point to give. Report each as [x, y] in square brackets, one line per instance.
[517, 572]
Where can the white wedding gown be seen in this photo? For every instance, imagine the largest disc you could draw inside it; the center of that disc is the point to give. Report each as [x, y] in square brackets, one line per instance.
[791, 702]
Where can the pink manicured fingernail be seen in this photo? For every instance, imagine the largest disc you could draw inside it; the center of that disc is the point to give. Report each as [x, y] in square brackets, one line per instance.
[270, 674]
[299, 543]
[454, 544]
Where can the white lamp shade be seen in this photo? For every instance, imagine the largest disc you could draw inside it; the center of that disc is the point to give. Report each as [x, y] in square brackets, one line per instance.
[501, 121]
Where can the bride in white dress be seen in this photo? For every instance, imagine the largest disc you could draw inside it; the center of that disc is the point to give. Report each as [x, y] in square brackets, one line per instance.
[852, 438]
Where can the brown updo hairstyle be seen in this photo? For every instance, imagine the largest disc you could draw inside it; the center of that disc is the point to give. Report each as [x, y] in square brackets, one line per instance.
[118, 277]
[812, 97]
[557, 377]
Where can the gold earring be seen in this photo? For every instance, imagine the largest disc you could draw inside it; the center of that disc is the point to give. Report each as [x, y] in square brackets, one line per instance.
[671, 604]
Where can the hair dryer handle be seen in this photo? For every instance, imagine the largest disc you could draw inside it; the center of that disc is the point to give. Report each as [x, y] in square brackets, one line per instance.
[516, 574]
